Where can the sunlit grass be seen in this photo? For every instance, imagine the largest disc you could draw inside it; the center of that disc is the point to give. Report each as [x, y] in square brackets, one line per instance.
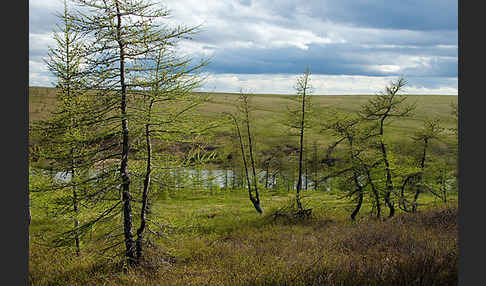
[219, 239]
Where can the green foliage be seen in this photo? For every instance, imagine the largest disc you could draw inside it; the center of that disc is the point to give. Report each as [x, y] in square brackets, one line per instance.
[69, 139]
[220, 236]
[388, 103]
[116, 65]
[301, 105]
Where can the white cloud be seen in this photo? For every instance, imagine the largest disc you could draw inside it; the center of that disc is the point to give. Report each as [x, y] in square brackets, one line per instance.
[46, 4]
[274, 36]
[322, 84]
[440, 90]
[446, 46]
[191, 48]
[385, 68]
[38, 79]
[39, 43]
[37, 67]
[231, 24]
[39, 74]
[229, 27]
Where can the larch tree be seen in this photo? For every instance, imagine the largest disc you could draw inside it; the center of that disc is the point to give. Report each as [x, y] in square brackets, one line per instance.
[346, 129]
[299, 121]
[357, 159]
[165, 103]
[431, 130]
[118, 33]
[244, 115]
[66, 136]
[384, 106]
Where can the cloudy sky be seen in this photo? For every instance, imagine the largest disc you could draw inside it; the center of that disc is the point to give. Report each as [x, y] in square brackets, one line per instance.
[351, 46]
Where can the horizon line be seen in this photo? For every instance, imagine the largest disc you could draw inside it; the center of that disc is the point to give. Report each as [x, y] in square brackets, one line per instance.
[266, 93]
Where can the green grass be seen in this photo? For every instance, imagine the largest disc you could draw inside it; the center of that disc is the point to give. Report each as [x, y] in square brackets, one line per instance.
[269, 109]
[219, 239]
[268, 112]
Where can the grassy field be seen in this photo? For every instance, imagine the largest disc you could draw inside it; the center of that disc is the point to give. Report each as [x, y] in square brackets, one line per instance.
[269, 112]
[269, 107]
[218, 239]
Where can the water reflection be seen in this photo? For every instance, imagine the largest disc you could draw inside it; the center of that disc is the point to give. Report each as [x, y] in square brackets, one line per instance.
[222, 178]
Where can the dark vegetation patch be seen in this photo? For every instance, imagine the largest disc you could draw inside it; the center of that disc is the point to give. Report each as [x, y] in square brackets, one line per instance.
[409, 249]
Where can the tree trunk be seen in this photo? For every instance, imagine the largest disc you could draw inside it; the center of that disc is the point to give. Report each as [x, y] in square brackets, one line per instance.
[359, 187]
[389, 183]
[126, 197]
[404, 185]
[146, 185]
[375, 193]
[419, 178]
[301, 149]
[233, 178]
[73, 180]
[360, 202]
[256, 203]
[76, 212]
[256, 200]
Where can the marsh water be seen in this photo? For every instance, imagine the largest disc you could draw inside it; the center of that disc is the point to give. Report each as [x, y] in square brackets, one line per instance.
[222, 178]
[226, 178]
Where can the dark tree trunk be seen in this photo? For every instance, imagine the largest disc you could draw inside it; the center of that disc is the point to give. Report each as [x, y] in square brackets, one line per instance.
[76, 212]
[146, 186]
[359, 187]
[419, 177]
[360, 202]
[126, 196]
[233, 179]
[256, 203]
[301, 151]
[389, 183]
[375, 193]
[415, 198]
[404, 185]
[71, 153]
[72, 163]
[256, 199]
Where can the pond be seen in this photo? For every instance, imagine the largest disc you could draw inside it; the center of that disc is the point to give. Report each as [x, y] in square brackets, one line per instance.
[221, 178]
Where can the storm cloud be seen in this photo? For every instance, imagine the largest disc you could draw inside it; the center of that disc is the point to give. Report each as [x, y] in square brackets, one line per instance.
[269, 41]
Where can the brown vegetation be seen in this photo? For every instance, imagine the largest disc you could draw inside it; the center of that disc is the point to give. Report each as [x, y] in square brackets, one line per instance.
[409, 249]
